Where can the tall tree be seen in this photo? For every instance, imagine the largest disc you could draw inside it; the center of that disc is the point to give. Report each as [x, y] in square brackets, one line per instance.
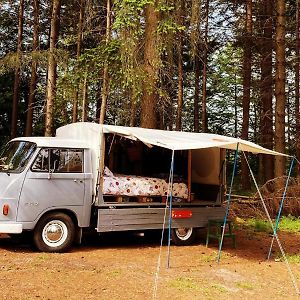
[78, 52]
[195, 40]
[34, 65]
[247, 57]
[16, 93]
[204, 78]
[105, 84]
[180, 68]
[297, 81]
[151, 62]
[266, 85]
[280, 88]
[52, 65]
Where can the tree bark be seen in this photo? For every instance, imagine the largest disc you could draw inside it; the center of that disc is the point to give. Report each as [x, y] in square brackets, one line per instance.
[280, 89]
[16, 91]
[84, 99]
[78, 52]
[247, 62]
[197, 94]
[52, 64]
[151, 60]
[180, 73]
[266, 87]
[105, 84]
[204, 78]
[297, 84]
[34, 65]
[195, 37]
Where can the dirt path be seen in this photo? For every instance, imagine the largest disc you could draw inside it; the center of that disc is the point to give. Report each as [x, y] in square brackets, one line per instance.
[123, 266]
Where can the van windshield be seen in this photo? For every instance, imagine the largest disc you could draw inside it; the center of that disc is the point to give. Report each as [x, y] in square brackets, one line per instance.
[16, 155]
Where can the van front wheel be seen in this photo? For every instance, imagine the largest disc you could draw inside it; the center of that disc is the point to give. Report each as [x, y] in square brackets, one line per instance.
[55, 232]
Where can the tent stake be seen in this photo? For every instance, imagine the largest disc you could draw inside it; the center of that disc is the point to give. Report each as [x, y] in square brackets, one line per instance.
[228, 201]
[281, 206]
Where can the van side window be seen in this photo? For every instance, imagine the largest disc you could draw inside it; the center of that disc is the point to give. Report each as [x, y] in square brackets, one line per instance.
[59, 160]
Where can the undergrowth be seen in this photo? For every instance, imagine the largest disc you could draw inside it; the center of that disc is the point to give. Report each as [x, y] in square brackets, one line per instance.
[286, 224]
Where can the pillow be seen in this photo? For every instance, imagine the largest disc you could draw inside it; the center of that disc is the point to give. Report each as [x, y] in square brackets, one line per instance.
[108, 172]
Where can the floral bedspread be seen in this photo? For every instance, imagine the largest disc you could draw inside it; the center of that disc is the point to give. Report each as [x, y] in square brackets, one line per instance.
[130, 185]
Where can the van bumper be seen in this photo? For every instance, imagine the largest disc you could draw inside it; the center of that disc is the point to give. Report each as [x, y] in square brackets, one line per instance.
[11, 227]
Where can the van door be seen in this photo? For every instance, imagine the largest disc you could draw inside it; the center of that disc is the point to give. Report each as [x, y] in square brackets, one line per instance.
[55, 179]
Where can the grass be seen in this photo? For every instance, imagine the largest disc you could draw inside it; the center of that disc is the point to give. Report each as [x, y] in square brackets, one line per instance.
[292, 258]
[244, 285]
[184, 284]
[287, 224]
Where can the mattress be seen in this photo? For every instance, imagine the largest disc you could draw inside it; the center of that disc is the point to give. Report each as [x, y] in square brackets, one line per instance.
[130, 185]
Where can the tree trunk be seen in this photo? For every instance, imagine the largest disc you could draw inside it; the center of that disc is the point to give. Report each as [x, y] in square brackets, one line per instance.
[266, 87]
[297, 85]
[16, 93]
[78, 52]
[204, 78]
[52, 76]
[84, 99]
[280, 89]
[195, 39]
[180, 73]
[105, 84]
[197, 94]
[246, 89]
[151, 60]
[33, 80]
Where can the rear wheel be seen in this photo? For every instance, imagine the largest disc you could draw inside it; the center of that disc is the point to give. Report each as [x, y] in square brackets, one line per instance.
[55, 232]
[183, 236]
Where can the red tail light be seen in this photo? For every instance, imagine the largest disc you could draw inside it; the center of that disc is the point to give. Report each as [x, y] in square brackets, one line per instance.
[5, 209]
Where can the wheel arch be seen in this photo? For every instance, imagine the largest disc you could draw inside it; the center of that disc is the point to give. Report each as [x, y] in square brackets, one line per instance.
[65, 211]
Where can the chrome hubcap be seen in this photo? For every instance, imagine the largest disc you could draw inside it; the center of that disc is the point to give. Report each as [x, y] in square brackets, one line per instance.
[184, 233]
[55, 233]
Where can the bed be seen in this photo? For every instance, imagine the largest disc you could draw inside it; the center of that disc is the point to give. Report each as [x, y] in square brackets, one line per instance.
[131, 185]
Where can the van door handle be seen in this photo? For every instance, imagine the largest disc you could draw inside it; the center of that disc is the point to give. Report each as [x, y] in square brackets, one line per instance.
[75, 180]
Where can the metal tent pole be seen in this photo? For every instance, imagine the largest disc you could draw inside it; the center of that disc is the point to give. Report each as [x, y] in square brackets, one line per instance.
[275, 234]
[281, 206]
[170, 206]
[228, 201]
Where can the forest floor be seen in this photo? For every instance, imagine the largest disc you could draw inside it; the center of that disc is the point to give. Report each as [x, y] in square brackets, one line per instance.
[123, 266]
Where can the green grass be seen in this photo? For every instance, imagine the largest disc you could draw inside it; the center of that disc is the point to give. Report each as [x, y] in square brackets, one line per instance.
[244, 285]
[287, 224]
[292, 258]
[184, 284]
[258, 225]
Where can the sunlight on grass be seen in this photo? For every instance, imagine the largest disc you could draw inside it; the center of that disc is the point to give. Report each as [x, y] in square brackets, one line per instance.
[292, 258]
[258, 225]
[114, 273]
[244, 285]
[287, 224]
[219, 288]
[188, 285]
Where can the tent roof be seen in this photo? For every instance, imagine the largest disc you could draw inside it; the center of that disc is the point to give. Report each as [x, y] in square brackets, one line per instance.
[174, 140]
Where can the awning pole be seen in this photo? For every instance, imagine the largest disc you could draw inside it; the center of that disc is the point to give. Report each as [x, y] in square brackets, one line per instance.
[275, 234]
[281, 206]
[228, 201]
[170, 206]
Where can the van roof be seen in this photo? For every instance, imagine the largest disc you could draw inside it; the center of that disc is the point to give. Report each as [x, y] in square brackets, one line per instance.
[54, 142]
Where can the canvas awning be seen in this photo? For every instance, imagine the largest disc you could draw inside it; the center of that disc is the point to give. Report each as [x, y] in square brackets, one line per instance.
[178, 140]
[173, 140]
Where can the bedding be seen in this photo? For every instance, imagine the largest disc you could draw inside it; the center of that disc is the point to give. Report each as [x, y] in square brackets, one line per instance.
[130, 185]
